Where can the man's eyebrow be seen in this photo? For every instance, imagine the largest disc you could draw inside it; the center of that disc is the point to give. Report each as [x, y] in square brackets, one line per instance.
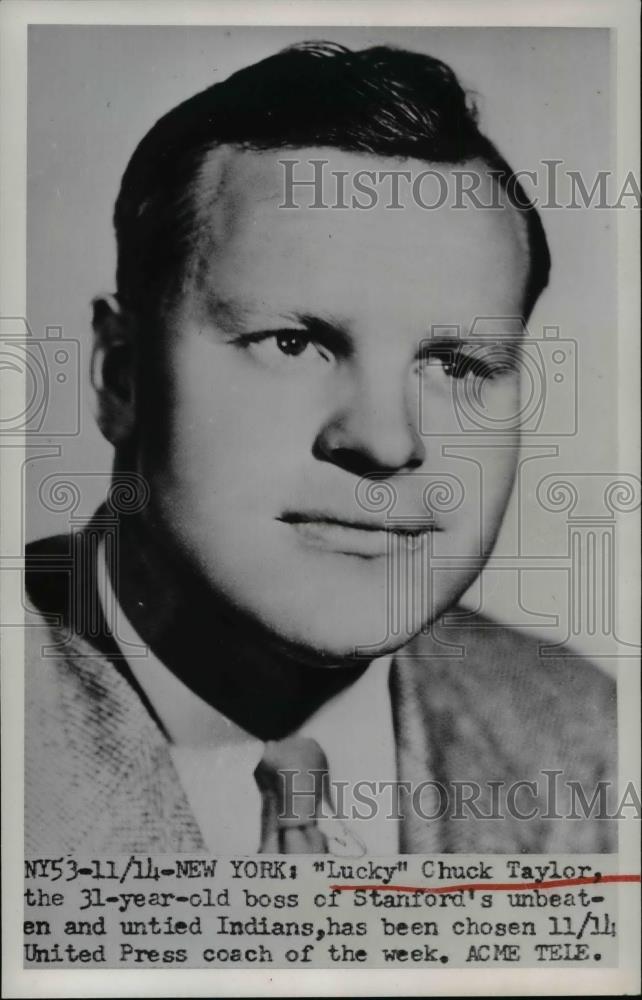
[509, 344]
[470, 335]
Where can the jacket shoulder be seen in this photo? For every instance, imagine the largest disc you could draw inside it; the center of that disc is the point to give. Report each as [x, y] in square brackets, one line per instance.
[550, 707]
[516, 663]
[486, 704]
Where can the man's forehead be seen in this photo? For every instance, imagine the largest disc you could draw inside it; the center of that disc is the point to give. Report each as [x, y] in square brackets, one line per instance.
[337, 185]
[248, 240]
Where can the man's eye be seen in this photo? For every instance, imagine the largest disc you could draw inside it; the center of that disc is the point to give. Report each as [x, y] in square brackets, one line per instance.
[284, 347]
[457, 365]
[292, 344]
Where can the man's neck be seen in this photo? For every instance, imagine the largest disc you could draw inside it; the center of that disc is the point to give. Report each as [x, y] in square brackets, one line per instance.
[223, 656]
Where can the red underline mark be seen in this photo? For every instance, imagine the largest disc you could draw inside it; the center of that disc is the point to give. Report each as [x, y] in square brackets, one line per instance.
[558, 883]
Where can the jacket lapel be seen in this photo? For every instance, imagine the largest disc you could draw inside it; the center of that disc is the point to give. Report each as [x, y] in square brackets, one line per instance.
[99, 764]
[415, 759]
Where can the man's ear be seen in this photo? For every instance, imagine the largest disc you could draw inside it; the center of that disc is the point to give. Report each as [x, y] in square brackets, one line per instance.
[113, 369]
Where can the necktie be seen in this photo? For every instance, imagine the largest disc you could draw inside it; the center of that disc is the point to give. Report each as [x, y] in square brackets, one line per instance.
[292, 776]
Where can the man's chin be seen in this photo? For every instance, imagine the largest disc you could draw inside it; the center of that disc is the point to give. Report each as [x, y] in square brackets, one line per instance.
[346, 643]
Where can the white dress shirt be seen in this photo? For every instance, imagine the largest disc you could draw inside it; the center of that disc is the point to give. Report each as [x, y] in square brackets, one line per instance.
[215, 758]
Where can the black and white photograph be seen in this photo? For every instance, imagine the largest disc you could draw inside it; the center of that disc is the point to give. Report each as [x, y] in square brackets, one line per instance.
[325, 507]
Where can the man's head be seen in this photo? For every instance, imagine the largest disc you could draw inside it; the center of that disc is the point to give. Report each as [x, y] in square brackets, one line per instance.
[263, 359]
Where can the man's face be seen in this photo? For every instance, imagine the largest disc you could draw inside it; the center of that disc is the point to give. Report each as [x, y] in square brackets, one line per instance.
[298, 360]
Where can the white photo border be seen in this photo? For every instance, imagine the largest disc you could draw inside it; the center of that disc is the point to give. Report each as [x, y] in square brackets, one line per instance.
[15, 16]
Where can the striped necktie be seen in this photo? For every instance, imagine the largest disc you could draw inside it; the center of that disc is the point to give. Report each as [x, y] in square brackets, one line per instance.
[293, 777]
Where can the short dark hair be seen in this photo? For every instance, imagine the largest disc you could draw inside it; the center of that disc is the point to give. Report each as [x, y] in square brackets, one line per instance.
[382, 100]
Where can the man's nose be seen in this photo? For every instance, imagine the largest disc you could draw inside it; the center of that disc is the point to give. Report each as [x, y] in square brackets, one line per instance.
[374, 432]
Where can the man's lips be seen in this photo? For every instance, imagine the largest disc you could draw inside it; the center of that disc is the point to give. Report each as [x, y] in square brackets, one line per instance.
[356, 536]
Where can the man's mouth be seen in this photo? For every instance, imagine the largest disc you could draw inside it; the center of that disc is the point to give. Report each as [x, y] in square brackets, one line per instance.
[357, 536]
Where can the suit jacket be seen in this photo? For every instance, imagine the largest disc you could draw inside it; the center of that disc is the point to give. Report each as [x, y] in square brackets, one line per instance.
[99, 776]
